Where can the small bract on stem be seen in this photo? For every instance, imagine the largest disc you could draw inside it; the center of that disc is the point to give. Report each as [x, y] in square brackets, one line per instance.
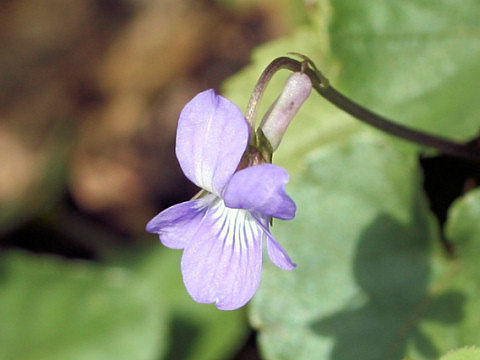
[275, 122]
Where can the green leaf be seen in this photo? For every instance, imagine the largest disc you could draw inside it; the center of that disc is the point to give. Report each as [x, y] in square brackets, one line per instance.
[463, 224]
[362, 240]
[372, 281]
[468, 353]
[197, 331]
[415, 61]
[56, 309]
[463, 230]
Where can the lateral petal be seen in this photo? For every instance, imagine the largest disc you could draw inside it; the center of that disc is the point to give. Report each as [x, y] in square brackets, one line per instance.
[260, 188]
[212, 136]
[276, 253]
[222, 264]
[177, 224]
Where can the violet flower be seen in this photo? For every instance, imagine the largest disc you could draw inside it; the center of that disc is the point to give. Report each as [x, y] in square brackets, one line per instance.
[222, 232]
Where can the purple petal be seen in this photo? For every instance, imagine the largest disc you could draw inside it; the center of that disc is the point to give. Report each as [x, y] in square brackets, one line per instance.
[260, 188]
[275, 251]
[222, 264]
[278, 255]
[212, 135]
[177, 224]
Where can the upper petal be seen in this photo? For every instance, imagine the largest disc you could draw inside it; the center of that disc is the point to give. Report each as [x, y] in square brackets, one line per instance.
[177, 224]
[212, 136]
[260, 188]
[222, 264]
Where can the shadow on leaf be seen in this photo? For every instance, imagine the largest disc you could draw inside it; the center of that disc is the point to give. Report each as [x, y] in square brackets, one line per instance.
[184, 332]
[392, 268]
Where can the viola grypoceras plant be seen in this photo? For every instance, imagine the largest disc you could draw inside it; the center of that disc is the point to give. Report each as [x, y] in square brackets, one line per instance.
[223, 231]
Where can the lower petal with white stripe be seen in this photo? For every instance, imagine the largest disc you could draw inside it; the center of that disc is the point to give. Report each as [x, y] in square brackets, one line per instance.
[222, 262]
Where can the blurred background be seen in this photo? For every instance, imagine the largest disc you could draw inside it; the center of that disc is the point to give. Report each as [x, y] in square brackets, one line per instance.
[90, 95]
[91, 92]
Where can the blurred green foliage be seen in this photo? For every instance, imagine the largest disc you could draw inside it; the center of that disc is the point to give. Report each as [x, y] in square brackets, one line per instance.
[55, 309]
[58, 309]
[468, 353]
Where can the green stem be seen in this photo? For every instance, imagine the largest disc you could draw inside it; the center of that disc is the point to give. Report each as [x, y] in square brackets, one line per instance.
[321, 85]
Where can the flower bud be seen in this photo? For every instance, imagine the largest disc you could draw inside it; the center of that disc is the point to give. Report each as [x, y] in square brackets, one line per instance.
[275, 122]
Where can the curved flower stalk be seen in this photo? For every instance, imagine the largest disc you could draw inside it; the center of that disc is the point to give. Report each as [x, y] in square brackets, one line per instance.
[222, 232]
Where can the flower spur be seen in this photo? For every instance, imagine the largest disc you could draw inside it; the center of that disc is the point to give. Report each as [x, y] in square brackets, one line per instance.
[222, 232]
